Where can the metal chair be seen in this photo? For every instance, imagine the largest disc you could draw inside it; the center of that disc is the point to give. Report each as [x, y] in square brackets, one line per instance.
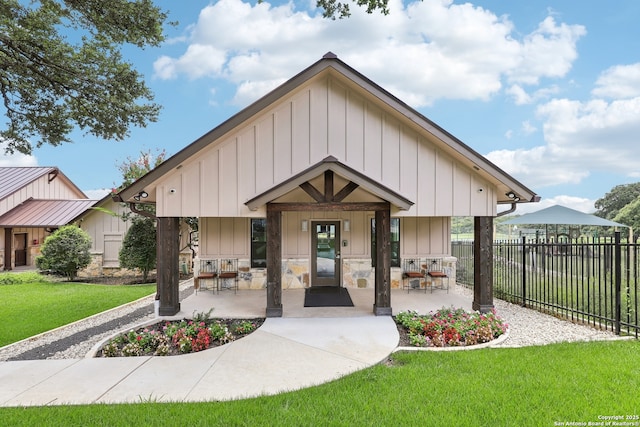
[208, 271]
[228, 270]
[435, 272]
[412, 274]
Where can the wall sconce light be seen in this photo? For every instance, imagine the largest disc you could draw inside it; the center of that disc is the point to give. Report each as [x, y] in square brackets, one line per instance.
[512, 196]
[304, 225]
[346, 225]
[141, 195]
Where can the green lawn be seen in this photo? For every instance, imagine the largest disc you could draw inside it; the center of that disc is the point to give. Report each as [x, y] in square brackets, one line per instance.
[531, 386]
[31, 305]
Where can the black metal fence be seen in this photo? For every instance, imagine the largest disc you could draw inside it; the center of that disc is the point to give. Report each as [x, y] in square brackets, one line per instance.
[595, 282]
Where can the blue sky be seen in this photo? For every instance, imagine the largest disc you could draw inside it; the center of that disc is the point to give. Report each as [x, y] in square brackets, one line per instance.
[549, 91]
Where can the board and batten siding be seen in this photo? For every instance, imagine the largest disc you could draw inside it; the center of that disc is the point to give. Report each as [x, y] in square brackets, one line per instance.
[230, 237]
[323, 118]
[105, 230]
[40, 188]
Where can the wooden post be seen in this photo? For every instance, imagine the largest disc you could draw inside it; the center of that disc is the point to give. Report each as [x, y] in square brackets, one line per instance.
[382, 303]
[274, 262]
[168, 250]
[483, 261]
[8, 248]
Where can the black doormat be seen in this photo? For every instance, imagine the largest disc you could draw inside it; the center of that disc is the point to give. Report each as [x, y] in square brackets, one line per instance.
[327, 296]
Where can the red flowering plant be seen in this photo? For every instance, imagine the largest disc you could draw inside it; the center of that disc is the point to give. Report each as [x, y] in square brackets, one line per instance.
[178, 337]
[450, 327]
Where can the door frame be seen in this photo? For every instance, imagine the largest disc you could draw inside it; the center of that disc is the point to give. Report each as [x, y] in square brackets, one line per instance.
[21, 248]
[336, 280]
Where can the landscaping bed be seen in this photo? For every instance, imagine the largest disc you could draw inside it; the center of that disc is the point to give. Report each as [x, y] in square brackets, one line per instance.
[448, 327]
[169, 338]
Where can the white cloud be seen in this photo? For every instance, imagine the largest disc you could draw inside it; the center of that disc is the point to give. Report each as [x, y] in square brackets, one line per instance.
[580, 137]
[605, 132]
[547, 52]
[619, 82]
[538, 167]
[521, 97]
[455, 51]
[198, 61]
[528, 128]
[97, 194]
[16, 159]
[247, 91]
[578, 203]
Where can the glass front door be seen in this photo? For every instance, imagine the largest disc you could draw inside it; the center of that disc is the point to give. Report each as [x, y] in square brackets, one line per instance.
[325, 253]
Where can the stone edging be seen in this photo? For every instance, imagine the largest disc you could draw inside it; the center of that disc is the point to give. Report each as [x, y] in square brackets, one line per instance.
[491, 343]
[96, 347]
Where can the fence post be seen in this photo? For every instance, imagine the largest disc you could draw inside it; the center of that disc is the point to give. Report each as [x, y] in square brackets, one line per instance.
[524, 271]
[618, 279]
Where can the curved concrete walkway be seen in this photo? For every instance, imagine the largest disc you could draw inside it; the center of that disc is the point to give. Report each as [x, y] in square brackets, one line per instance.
[306, 347]
[284, 354]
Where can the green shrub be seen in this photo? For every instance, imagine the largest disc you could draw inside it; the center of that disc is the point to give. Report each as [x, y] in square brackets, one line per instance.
[139, 246]
[20, 278]
[65, 252]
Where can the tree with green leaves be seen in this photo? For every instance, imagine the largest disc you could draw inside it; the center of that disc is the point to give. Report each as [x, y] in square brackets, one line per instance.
[139, 246]
[61, 67]
[630, 215]
[336, 9]
[132, 169]
[620, 196]
[65, 252]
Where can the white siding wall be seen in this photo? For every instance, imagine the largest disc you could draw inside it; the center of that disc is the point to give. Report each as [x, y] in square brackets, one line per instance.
[230, 237]
[108, 231]
[105, 229]
[321, 119]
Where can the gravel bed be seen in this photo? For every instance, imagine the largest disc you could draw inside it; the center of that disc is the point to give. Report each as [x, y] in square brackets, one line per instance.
[529, 327]
[526, 327]
[75, 340]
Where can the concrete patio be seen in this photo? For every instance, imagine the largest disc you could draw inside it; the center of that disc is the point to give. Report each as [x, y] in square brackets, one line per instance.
[252, 303]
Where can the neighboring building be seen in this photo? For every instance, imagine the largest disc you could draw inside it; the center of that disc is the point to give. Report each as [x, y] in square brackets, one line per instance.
[35, 201]
[302, 184]
[103, 222]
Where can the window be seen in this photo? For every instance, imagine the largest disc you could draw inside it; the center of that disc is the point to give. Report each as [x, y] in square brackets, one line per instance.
[395, 242]
[259, 243]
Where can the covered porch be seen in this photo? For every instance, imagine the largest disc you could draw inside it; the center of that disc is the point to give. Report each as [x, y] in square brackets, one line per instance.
[249, 303]
[327, 148]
